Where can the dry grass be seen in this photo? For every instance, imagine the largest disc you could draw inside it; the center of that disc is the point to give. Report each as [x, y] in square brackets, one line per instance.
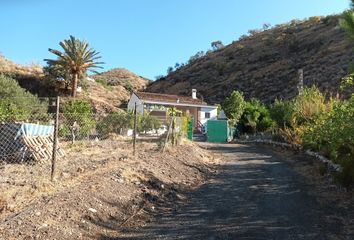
[30, 70]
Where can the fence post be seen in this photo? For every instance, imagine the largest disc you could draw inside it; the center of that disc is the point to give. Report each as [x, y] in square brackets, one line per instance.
[167, 136]
[55, 139]
[135, 128]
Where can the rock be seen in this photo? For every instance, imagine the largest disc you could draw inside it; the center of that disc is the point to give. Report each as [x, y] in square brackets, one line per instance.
[65, 175]
[11, 207]
[123, 158]
[120, 180]
[92, 210]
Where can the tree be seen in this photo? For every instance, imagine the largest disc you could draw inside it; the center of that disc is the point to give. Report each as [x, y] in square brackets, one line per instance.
[266, 26]
[76, 59]
[169, 70]
[234, 106]
[196, 56]
[55, 74]
[216, 45]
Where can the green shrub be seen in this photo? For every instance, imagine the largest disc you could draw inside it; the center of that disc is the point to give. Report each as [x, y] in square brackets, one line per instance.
[104, 83]
[256, 117]
[295, 117]
[79, 112]
[282, 113]
[129, 87]
[333, 135]
[309, 105]
[148, 123]
[234, 106]
[115, 123]
[16, 104]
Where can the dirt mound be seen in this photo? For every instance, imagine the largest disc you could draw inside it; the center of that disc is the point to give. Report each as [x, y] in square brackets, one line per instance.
[265, 64]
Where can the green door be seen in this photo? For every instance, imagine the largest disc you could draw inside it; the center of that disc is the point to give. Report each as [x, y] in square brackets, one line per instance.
[190, 130]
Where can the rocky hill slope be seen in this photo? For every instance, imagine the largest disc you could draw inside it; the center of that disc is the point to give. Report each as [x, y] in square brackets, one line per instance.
[112, 89]
[265, 64]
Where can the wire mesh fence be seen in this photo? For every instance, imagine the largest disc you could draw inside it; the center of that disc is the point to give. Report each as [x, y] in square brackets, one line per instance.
[39, 135]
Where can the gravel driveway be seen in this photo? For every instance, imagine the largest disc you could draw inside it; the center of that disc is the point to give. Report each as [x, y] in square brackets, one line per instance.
[254, 195]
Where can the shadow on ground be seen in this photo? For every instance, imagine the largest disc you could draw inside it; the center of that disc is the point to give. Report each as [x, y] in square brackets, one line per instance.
[255, 195]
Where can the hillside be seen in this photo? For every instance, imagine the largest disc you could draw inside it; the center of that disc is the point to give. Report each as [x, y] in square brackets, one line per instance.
[121, 77]
[112, 89]
[106, 91]
[265, 64]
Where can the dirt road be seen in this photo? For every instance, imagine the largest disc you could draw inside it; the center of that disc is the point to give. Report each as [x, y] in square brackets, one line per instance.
[258, 193]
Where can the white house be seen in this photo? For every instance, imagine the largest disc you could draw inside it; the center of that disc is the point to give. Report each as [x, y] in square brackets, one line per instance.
[158, 104]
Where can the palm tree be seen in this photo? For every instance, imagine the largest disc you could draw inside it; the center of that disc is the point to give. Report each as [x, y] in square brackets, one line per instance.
[76, 58]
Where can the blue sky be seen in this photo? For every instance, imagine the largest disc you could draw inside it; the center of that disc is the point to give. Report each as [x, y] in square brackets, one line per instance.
[144, 36]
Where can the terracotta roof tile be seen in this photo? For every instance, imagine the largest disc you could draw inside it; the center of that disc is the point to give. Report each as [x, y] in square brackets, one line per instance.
[169, 98]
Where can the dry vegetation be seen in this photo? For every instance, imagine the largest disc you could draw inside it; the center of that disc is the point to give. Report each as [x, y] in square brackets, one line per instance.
[110, 91]
[9, 67]
[265, 64]
[113, 88]
[99, 185]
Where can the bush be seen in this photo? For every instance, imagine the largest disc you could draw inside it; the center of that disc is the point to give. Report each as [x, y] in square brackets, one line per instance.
[16, 104]
[148, 123]
[308, 106]
[104, 83]
[293, 118]
[115, 122]
[79, 112]
[256, 117]
[282, 113]
[234, 107]
[333, 135]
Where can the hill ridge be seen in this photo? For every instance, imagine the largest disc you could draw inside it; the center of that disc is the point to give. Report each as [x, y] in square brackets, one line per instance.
[265, 65]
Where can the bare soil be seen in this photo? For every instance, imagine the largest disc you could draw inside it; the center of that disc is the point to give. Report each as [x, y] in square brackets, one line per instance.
[100, 187]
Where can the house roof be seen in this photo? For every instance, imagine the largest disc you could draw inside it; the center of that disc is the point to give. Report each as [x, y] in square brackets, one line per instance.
[157, 97]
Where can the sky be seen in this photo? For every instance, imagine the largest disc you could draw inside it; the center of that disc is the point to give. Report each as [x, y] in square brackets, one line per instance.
[144, 36]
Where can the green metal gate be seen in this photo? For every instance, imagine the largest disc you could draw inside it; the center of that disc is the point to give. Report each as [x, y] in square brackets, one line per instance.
[219, 131]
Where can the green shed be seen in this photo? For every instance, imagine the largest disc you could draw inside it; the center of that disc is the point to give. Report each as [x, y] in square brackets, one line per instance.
[219, 131]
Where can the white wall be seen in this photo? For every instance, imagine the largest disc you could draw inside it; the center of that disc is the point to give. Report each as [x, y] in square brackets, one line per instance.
[213, 114]
[131, 104]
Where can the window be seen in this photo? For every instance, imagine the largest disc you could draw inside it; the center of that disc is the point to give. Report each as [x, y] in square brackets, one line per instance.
[207, 115]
